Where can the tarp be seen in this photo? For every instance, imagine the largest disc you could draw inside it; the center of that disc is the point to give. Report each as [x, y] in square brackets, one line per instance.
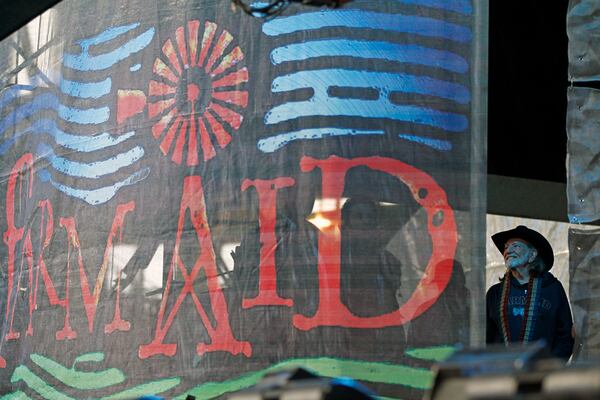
[584, 291]
[191, 196]
[583, 170]
[584, 40]
[583, 166]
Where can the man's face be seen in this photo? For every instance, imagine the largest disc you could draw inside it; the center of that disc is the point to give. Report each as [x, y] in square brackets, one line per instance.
[517, 253]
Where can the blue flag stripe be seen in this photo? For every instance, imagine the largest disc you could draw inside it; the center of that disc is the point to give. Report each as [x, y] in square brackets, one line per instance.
[84, 116]
[95, 196]
[397, 23]
[276, 142]
[80, 143]
[273, 143]
[93, 170]
[329, 106]
[86, 90]
[402, 53]
[86, 62]
[385, 83]
[49, 101]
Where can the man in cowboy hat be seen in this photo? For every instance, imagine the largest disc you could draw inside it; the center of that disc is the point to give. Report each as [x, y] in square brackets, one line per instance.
[528, 303]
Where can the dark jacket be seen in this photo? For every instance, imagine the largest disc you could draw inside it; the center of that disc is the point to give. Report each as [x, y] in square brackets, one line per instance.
[553, 323]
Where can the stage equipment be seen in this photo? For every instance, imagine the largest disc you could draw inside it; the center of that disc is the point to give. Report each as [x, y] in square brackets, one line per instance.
[266, 9]
[300, 384]
[525, 372]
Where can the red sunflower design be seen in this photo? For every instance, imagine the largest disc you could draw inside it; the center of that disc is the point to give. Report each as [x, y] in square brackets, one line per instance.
[195, 92]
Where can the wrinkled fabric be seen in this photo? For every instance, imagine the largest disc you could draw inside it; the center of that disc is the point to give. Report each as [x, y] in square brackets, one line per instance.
[584, 293]
[191, 196]
[583, 147]
[583, 29]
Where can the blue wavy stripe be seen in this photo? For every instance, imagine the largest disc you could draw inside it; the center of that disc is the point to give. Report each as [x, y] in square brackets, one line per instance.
[442, 145]
[84, 61]
[93, 170]
[95, 196]
[85, 144]
[382, 108]
[9, 94]
[370, 20]
[45, 101]
[273, 143]
[49, 101]
[459, 6]
[86, 90]
[370, 49]
[385, 83]
[84, 116]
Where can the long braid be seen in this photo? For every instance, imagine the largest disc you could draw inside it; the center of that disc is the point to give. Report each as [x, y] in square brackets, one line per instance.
[504, 308]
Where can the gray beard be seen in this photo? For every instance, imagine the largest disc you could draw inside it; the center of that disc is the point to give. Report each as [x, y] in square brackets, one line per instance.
[512, 265]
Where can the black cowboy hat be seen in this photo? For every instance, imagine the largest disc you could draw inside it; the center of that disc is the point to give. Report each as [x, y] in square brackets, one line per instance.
[530, 236]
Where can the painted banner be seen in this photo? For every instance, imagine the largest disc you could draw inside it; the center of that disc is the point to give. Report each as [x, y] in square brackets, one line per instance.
[192, 197]
[583, 150]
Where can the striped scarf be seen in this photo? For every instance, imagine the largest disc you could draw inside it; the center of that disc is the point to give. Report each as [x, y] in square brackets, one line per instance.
[531, 308]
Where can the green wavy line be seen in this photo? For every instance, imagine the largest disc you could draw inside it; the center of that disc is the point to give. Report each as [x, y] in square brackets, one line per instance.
[89, 357]
[437, 353]
[18, 395]
[22, 373]
[35, 383]
[79, 379]
[419, 378]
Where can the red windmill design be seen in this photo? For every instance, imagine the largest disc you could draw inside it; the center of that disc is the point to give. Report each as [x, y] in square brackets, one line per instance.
[194, 93]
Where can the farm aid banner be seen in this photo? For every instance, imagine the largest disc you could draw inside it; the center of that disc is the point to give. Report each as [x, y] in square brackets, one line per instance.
[191, 196]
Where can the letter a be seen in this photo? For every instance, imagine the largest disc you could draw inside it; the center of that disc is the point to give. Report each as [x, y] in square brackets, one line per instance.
[221, 337]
